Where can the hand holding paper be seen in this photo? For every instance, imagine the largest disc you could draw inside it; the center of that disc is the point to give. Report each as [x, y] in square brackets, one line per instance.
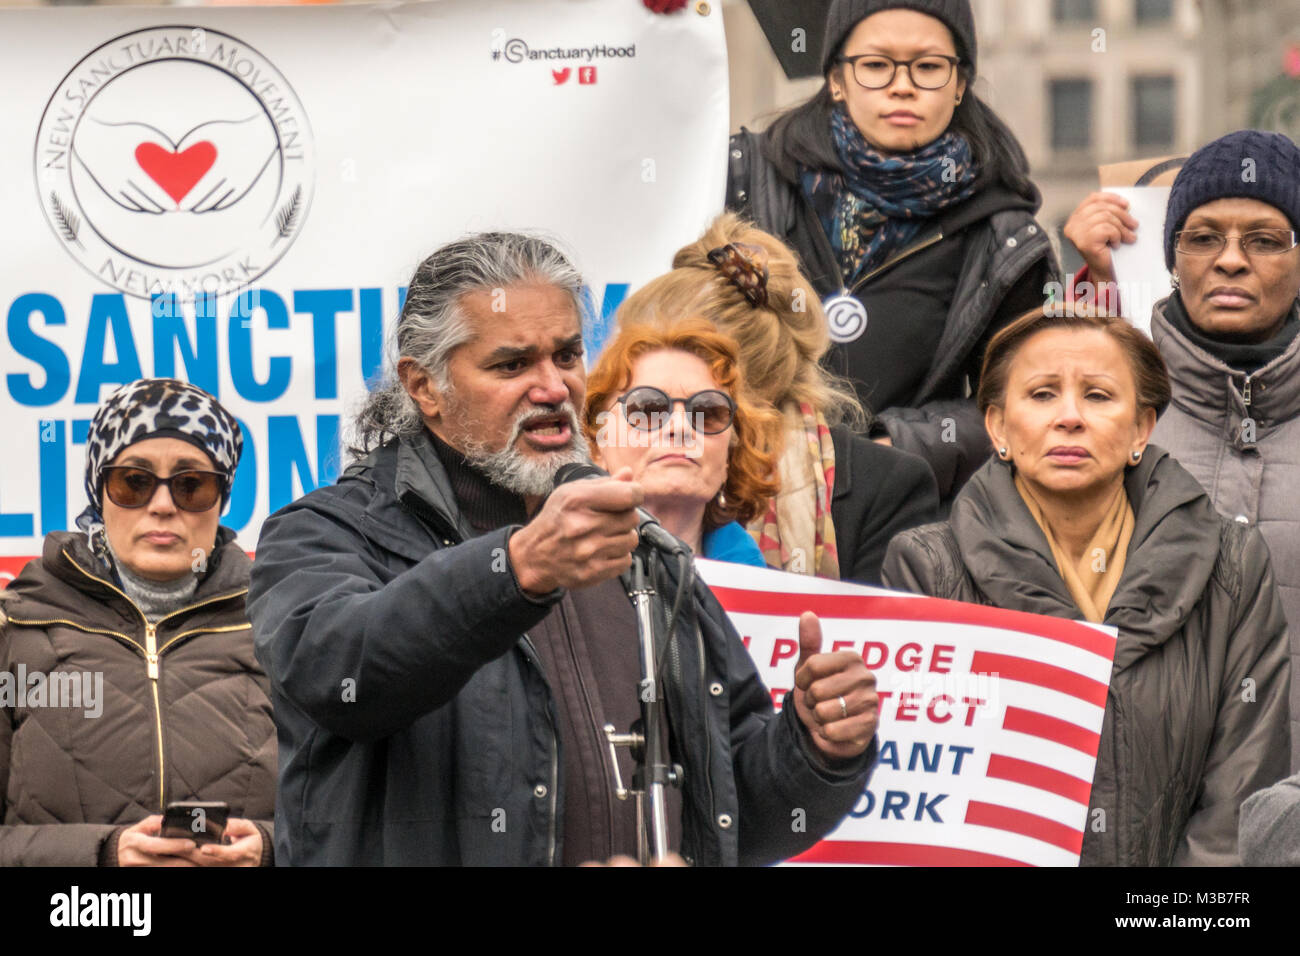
[834, 695]
[1099, 224]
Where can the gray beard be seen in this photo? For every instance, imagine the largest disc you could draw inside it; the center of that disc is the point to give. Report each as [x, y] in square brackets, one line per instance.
[522, 474]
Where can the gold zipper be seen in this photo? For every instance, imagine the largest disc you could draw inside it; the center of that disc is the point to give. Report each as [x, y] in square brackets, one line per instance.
[204, 603]
[204, 630]
[28, 622]
[153, 627]
[151, 668]
[46, 622]
[151, 650]
[890, 263]
[151, 656]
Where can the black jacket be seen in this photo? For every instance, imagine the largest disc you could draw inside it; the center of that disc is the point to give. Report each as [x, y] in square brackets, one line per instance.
[971, 271]
[415, 723]
[879, 491]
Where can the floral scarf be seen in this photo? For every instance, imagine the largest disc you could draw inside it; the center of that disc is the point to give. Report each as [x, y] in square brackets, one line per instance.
[796, 533]
[881, 200]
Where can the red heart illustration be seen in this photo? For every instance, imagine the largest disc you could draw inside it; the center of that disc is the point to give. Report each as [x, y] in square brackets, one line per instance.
[176, 173]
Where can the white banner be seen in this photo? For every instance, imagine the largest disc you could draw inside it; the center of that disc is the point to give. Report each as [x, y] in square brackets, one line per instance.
[236, 197]
[990, 720]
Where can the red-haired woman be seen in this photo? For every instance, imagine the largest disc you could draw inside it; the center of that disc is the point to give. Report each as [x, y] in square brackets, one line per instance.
[670, 402]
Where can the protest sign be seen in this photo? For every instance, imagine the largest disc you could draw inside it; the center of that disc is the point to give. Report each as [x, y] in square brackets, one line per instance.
[990, 720]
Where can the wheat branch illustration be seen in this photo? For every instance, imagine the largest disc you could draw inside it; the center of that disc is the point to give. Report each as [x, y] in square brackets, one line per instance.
[287, 218]
[68, 221]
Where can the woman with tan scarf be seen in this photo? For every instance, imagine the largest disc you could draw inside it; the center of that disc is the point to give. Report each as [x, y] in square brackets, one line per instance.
[1079, 517]
[842, 497]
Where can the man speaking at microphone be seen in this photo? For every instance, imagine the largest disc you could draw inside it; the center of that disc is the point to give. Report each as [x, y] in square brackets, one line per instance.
[446, 637]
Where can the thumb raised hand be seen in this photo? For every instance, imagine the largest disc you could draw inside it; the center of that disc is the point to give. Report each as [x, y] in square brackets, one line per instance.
[810, 638]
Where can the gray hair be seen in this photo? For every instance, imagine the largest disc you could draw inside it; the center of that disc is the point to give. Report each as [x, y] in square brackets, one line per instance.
[433, 325]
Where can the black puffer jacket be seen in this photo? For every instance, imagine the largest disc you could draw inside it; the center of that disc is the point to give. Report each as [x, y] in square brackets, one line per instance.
[971, 271]
[185, 712]
[1196, 716]
[416, 726]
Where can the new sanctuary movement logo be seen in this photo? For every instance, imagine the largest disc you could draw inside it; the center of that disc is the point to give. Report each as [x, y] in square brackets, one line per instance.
[175, 159]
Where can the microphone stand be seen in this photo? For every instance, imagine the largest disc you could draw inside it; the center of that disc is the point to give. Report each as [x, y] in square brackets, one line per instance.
[646, 742]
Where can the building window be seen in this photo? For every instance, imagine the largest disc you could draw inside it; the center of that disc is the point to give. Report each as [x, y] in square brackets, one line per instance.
[1153, 112]
[1072, 11]
[1153, 11]
[1071, 114]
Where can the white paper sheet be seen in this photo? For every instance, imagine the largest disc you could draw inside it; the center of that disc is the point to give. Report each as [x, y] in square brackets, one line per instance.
[1139, 267]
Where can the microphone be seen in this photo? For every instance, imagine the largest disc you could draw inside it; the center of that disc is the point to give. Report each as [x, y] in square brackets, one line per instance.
[648, 527]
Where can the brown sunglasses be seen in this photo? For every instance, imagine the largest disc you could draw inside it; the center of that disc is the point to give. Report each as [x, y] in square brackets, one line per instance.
[129, 487]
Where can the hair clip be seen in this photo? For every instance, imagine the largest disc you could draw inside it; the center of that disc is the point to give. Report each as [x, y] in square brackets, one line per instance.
[746, 267]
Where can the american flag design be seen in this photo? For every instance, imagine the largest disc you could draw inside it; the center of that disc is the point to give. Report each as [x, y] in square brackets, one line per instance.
[990, 719]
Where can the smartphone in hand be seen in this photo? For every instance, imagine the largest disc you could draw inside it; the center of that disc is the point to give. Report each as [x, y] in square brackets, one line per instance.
[202, 822]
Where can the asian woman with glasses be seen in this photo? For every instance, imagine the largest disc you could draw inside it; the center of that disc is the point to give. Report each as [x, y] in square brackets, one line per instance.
[910, 206]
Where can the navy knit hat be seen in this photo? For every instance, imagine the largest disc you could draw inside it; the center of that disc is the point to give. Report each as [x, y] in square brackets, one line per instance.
[956, 15]
[1249, 164]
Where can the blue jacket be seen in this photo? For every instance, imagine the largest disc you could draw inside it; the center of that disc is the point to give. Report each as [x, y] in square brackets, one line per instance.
[415, 723]
[730, 542]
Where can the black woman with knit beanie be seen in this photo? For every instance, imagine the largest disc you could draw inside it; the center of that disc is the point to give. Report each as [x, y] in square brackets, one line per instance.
[1228, 334]
[910, 205]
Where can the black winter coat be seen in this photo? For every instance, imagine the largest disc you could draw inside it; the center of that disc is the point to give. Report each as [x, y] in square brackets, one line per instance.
[879, 491]
[968, 273]
[415, 723]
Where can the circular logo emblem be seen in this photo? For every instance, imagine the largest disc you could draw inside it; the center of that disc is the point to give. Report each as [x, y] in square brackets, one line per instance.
[846, 316]
[177, 160]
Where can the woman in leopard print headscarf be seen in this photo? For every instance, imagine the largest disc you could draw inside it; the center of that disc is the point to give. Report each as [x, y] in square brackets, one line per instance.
[143, 611]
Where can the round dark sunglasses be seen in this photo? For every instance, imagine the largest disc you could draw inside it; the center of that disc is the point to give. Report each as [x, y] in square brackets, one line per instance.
[649, 409]
[129, 487]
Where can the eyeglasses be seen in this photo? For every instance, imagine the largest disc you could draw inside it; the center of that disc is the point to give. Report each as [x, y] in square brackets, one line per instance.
[648, 409]
[129, 487]
[1260, 242]
[875, 71]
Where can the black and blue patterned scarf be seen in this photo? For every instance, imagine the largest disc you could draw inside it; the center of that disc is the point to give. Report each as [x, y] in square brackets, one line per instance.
[882, 200]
